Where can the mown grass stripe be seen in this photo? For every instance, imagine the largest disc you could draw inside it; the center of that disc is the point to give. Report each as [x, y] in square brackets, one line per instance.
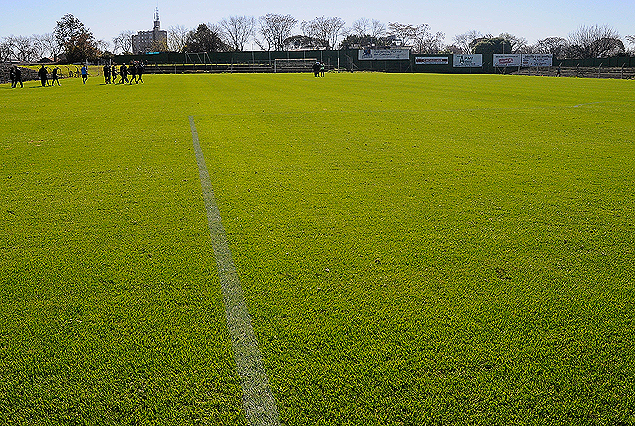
[258, 402]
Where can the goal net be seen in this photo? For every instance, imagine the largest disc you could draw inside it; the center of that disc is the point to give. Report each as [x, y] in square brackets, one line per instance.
[197, 58]
[293, 65]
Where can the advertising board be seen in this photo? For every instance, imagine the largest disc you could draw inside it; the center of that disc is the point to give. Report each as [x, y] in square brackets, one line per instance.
[468, 61]
[507, 60]
[538, 60]
[383, 54]
[432, 60]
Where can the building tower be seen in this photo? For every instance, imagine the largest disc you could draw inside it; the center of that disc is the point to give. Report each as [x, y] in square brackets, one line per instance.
[157, 23]
[150, 41]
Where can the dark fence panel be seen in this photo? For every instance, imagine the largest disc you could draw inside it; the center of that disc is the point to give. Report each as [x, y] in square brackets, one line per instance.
[336, 59]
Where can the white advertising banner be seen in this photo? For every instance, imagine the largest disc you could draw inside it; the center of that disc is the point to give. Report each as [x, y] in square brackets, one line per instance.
[538, 60]
[383, 54]
[507, 60]
[468, 61]
[432, 60]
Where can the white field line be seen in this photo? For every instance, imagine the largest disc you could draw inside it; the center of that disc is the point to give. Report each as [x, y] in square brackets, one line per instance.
[259, 404]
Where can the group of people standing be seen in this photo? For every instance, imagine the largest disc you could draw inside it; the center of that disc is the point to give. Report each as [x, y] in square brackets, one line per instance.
[44, 78]
[318, 69]
[134, 70]
[132, 73]
[15, 75]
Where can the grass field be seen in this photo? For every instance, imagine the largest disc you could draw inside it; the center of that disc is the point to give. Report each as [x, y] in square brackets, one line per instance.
[414, 249]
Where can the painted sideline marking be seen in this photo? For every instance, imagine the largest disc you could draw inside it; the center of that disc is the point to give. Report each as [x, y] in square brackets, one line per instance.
[259, 404]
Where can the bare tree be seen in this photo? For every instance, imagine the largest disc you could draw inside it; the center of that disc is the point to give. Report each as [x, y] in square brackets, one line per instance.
[403, 33]
[6, 52]
[327, 29]
[518, 44]
[424, 41]
[360, 28]
[609, 46]
[464, 41]
[631, 40]
[417, 37]
[377, 29]
[238, 30]
[557, 46]
[102, 45]
[49, 45]
[39, 51]
[594, 42]
[27, 49]
[22, 48]
[8, 46]
[364, 27]
[123, 42]
[275, 29]
[177, 38]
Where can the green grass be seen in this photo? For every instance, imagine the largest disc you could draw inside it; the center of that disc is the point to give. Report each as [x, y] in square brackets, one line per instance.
[414, 249]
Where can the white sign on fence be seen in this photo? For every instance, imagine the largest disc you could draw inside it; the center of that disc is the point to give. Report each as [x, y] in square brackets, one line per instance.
[538, 60]
[468, 61]
[506, 60]
[432, 60]
[383, 54]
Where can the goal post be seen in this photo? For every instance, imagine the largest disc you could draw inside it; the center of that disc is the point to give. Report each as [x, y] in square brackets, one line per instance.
[197, 58]
[293, 65]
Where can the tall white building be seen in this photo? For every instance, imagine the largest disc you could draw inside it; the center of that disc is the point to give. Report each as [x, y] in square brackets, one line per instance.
[150, 41]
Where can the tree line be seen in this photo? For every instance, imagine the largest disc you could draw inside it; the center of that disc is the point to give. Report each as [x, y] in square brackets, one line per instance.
[276, 32]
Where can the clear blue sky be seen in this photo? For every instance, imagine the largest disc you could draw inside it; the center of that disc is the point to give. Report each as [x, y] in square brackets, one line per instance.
[531, 19]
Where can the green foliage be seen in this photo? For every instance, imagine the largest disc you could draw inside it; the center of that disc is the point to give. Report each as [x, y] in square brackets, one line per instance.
[78, 42]
[491, 45]
[414, 249]
[354, 41]
[305, 42]
[205, 39]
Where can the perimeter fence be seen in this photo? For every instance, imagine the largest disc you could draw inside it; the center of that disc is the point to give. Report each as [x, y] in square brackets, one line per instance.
[351, 61]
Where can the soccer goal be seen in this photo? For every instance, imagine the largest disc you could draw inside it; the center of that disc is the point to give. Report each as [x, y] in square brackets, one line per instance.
[197, 58]
[293, 65]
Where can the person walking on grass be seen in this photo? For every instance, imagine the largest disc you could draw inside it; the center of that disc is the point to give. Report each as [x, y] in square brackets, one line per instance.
[107, 74]
[113, 72]
[18, 77]
[12, 76]
[140, 72]
[322, 69]
[133, 73]
[123, 71]
[56, 78]
[43, 75]
[84, 73]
